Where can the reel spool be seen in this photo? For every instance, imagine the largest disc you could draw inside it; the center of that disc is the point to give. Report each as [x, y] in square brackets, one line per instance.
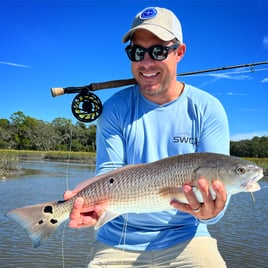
[86, 107]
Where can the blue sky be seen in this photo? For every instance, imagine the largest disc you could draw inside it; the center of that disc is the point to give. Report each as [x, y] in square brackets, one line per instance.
[60, 43]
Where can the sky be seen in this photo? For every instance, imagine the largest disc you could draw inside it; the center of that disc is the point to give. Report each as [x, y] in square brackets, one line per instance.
[57, 43]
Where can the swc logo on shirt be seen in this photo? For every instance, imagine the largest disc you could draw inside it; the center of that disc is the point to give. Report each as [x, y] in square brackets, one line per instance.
[185, 138]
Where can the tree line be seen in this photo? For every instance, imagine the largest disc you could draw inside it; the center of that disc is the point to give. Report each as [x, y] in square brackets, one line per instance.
[257, 147]
[23, 132]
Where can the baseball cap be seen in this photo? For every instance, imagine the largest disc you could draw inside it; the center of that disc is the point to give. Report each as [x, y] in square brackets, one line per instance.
[161, 22]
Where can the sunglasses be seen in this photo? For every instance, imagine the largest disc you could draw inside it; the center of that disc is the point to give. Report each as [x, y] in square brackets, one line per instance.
[158, 52]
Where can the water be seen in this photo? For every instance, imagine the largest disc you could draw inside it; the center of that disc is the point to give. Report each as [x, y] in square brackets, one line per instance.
[67, 247]
[242, 234]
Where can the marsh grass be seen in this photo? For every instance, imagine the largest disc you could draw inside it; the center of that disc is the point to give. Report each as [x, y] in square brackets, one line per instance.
[82, 157]
[9, 160]
[9, 163]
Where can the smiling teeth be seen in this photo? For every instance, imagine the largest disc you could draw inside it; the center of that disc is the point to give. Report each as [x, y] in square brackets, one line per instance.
[149, 75]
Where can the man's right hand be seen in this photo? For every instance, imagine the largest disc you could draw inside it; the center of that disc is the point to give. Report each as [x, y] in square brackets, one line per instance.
[79, 217]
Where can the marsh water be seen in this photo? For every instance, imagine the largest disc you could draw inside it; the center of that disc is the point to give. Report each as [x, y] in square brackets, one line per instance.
[242, 234]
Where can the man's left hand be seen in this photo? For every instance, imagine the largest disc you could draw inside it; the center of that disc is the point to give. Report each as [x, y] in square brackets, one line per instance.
[209, 208]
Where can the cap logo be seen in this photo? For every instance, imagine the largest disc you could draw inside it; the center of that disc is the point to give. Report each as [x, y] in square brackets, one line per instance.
[148, 13]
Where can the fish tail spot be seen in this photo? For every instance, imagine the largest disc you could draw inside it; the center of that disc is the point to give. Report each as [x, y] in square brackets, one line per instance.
[53, 221]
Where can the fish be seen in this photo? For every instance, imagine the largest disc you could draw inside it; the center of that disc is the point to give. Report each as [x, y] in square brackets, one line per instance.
[141, 188]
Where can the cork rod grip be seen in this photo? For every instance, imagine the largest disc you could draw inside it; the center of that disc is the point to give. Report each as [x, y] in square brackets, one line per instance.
[57, 91]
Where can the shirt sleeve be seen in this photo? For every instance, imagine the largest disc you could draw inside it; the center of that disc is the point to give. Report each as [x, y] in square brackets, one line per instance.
[214, 135]
[110, 142]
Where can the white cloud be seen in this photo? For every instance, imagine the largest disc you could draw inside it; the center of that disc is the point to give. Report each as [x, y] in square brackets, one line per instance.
[265, 80]
[265, 42]
[15, 64]
[236, 94]
[237, 76]
[249, 135]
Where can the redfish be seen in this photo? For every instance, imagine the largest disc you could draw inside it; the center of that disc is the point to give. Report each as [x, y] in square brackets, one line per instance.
[142, 188]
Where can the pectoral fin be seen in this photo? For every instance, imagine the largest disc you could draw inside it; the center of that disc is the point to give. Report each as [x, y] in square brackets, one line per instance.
[105, 217]
[173, 193]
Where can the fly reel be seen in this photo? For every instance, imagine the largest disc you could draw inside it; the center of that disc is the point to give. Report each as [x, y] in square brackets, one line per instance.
[86, 107]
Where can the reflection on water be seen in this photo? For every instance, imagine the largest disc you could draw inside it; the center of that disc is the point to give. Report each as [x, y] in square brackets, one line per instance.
[242, 233]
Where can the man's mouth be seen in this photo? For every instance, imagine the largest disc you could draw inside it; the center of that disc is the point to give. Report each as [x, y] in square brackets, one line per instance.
[149, 75]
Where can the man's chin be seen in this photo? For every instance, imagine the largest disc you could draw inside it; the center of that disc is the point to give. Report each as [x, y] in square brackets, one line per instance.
[150, 92]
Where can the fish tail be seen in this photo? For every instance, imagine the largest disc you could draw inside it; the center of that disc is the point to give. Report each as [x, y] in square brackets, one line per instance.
[39, 221]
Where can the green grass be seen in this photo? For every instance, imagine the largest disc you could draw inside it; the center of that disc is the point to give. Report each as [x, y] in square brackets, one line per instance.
[9, 164]
[83, 157]
[9, 160]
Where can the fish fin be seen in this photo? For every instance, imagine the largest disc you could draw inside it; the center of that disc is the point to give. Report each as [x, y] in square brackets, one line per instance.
[173, 193]
[106, 217]
[39, 221]
[178, 194]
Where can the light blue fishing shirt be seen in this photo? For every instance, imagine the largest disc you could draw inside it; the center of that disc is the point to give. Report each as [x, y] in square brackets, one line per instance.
[134, 130]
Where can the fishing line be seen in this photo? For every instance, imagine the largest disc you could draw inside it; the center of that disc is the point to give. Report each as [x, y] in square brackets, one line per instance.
[123, 236]
[67, 188]
[124, 230]
[232, 72]
[252, 196]
[131, 161]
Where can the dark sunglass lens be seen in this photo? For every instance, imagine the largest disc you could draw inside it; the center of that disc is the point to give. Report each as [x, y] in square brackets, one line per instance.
[138, 53]
[159, 53]
[135, 53]
[128, 51]
[131, 55]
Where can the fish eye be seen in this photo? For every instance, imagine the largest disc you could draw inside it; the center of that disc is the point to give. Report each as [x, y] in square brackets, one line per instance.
[240, 170]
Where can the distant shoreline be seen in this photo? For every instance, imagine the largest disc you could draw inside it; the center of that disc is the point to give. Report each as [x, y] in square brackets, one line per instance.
[9, 160]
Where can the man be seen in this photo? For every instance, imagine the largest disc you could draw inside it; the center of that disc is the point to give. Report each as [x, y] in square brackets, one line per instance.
[157, 118]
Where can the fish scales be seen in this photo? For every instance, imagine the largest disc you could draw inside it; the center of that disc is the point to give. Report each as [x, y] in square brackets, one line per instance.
[137, 184]
[141, 188]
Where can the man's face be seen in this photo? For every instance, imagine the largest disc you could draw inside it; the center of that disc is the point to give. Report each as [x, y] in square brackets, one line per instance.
[155, 78]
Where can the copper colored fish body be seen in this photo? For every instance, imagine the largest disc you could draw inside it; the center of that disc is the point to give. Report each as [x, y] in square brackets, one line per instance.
[142, 188]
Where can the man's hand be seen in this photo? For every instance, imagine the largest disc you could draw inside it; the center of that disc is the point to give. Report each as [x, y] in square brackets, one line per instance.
[209, 208]
[79, 216]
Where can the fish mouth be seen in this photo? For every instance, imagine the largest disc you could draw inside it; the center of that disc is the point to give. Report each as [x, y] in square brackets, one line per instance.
[252, 185]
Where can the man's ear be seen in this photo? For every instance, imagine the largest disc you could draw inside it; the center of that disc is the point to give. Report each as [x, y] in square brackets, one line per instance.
[181, 51]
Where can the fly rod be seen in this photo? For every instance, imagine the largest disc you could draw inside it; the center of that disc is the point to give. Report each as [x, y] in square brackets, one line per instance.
[87, 107]
[125, 82]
